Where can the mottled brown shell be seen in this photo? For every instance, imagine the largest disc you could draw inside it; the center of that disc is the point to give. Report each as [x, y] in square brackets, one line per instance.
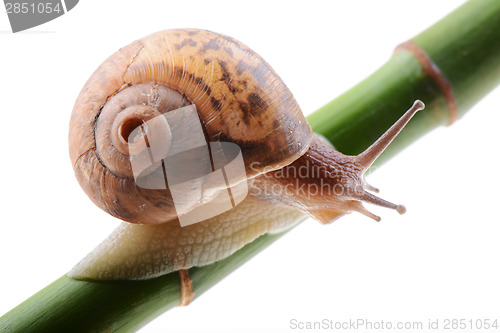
[238, 96]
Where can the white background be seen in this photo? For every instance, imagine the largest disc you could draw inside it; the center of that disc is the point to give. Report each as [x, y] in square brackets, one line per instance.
[440, 260]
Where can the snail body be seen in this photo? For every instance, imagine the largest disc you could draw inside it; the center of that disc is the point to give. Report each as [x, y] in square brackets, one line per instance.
[239, 99]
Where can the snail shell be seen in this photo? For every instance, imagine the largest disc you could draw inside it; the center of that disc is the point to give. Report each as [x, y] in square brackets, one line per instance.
[238, 96]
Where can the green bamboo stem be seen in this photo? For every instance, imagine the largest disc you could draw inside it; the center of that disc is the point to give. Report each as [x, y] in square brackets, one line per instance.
[465, 46]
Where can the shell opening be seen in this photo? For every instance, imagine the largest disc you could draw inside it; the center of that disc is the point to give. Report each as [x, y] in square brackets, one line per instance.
[120, 129]
[126, 129]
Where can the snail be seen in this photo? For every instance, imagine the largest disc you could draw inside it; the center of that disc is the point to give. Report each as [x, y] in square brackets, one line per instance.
[239, 99]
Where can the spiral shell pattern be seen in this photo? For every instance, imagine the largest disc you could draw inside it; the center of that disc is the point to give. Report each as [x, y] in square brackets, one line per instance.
[238, 96]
